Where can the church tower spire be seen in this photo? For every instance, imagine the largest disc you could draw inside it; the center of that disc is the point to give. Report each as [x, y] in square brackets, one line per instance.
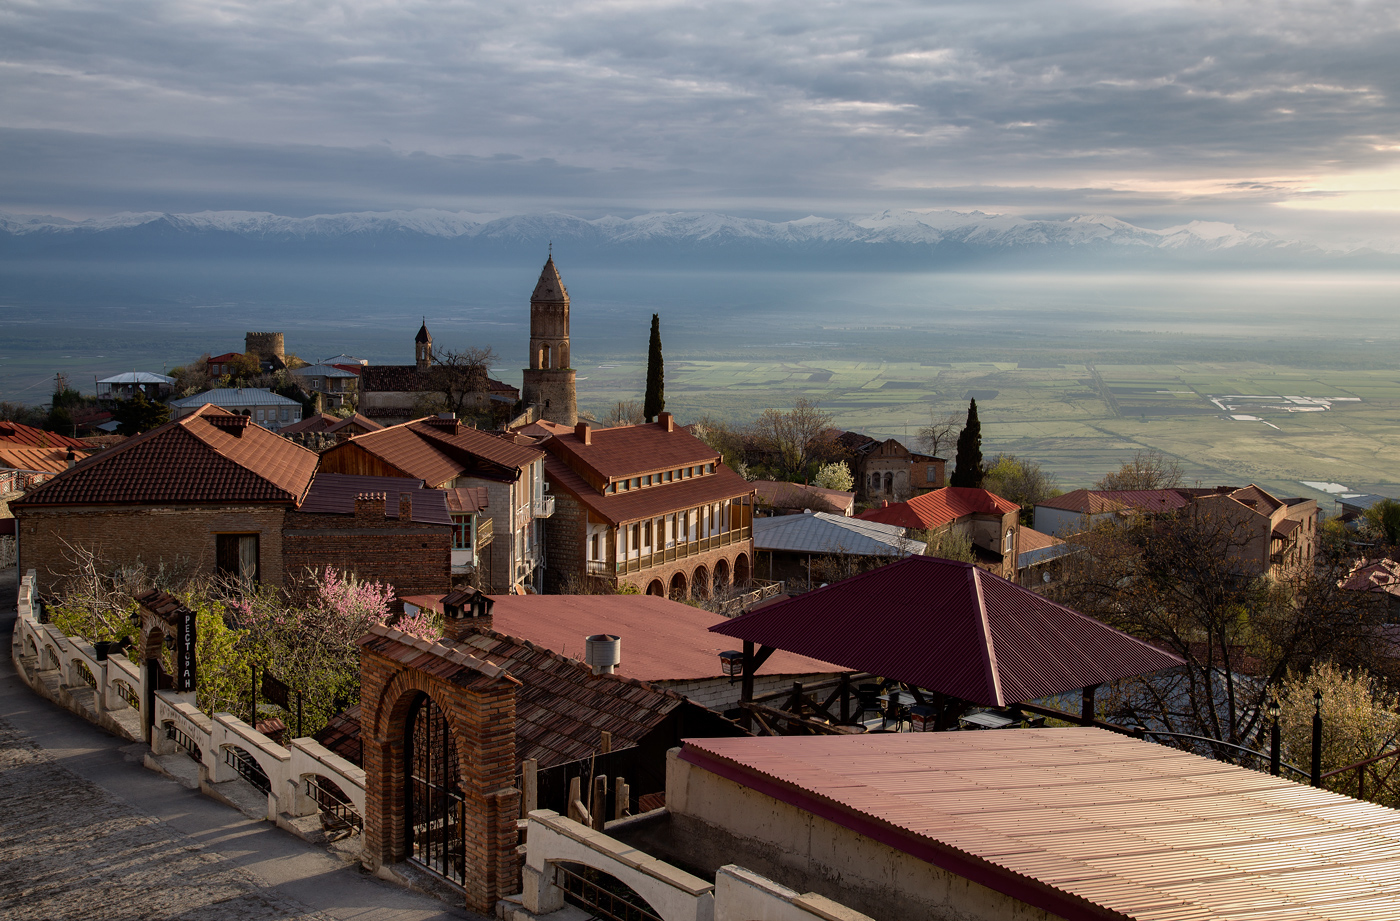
[549, 380]
[423, 348]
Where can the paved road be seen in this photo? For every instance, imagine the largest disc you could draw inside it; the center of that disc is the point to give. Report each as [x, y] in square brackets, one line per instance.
[87, 832]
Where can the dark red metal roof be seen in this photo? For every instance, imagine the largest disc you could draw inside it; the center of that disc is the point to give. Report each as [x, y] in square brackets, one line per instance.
[650, 501]
[953, 628]
[1084, 823]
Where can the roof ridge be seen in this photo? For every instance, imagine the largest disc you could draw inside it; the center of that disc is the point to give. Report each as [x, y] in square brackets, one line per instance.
[570, 660]
[989, 646]
[200, 436]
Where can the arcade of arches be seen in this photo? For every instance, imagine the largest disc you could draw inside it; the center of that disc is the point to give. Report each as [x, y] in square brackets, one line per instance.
[700, 581]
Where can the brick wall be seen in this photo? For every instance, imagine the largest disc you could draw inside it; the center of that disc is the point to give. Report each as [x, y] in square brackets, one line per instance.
[688, 567]
[482, 719]
[415, 558]
[176, 535]
[565, 535]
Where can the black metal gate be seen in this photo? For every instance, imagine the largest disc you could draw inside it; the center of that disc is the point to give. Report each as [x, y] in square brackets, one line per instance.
[436, 807]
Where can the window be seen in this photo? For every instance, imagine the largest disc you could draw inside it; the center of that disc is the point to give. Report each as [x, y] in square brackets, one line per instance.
[646, 480]
[636, 482]
[593, 548]
[260, 415]
[284, 414]
[1006, 542]
[236, 556]
[668, 476]
[461, 533]
[646, 534]
[709, 468]
[931, 474]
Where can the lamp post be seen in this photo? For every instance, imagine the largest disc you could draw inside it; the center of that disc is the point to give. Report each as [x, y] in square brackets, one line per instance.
[1274, 744]
[1316, 778]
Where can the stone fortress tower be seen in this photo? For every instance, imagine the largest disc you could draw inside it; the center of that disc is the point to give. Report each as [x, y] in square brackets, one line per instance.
[549, 381]
[268, 345]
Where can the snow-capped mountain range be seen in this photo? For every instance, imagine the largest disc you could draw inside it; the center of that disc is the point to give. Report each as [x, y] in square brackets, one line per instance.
[946, 235]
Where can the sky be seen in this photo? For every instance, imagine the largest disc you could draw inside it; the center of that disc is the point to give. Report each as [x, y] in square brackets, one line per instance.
[1280, 116]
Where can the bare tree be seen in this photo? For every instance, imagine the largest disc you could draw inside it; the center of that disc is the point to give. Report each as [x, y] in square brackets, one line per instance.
[624, 412]
[1178, 583]
[941, 433]
[796, 436]
[1147, 470]
[460, 379]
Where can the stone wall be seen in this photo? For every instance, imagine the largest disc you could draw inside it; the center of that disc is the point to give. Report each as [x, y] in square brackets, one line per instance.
[566, 547]
[177, 535]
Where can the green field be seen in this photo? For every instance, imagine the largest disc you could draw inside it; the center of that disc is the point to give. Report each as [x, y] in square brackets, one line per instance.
[1077, 420]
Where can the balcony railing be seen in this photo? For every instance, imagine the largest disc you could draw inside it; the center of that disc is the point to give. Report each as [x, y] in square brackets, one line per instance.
[684, 549]
[544, 507]
[485, 532]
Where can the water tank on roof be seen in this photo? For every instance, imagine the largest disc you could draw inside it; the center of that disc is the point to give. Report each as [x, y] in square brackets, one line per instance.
[603, 652]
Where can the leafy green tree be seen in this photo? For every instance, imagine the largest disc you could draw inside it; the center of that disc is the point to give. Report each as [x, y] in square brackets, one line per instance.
[1383, 520]
[946, 544]
[1020, 480]
[969, 470]
[138, 415]
[656, 374]
[835, 475]
[1360, 719]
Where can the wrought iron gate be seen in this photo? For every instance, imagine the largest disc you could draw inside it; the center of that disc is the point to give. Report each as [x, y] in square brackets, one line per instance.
[436, 807]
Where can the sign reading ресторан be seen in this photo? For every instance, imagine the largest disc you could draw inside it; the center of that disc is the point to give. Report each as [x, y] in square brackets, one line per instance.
[185, 669]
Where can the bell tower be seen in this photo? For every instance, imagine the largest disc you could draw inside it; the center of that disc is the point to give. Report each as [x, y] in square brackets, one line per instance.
[423, 348]
[548, 382]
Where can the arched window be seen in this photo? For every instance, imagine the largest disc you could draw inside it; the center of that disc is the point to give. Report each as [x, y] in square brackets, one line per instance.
[435, 804]
[889, 482]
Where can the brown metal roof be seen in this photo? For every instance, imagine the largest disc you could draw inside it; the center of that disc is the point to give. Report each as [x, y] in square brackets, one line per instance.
[408, 379]
[38, 438]
[334, 494]
[467, 500]
[329, 424]
[188, 460]
[950, 627]
[438, 451]
[650, 501]
[14, 456]
[1084, 823]
[629, 450]
[662, 640]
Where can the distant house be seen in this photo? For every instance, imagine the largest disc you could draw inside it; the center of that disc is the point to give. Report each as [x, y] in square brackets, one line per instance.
[209, 491]
[791, 542]
[650, 506]
[989, 521]
[335, 386]
[888, 471]
[220, 365]
[264, 407]
[1040, 558]
[390, 394]
[506, 546]
[1081, 509]
[327, 426]
[29, 456]
[1354, 507]
[784, 498]
[154, 387]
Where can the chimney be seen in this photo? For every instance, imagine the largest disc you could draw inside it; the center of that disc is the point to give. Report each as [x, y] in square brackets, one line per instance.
[405, 508]
[369, 506]
[666, 421]
[583, 433]
[602, 652]
[466, 611]
[884, 503]
[72, 459]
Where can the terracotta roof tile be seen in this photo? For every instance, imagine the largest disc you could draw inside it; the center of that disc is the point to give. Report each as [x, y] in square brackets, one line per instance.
[192, 459]
[329, 424]
[629, 450]
[438, 455]
[941, 507]
[14, 456]
[408, 379]
[652, 500]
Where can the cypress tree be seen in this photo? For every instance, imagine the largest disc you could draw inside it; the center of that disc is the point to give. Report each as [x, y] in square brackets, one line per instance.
[968, 471]
[656, 374]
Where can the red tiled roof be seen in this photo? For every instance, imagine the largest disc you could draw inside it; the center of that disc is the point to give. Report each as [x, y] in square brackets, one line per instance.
[31, 437]
[408, 379]
[1084, 823]
[662, 640]
[950, 627]
[1028, 539]
[1083, 501]
[438, 455]
[443, 660]
[941, 507]
[1256, 498]
[629, 450]
[225, 358]
[1377, 576]
[191, 459]
[329, 424]
[650, 501]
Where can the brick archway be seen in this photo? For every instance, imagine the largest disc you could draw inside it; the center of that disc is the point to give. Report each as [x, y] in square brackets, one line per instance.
[721, 580]
[700, 583]
[654, 587]
[679, 590]
[477, 704]
[742, 574]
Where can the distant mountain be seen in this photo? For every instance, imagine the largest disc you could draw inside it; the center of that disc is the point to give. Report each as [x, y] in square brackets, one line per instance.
[903, 239]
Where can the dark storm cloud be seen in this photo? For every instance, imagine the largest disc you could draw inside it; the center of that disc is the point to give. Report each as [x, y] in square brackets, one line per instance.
[1057, 105]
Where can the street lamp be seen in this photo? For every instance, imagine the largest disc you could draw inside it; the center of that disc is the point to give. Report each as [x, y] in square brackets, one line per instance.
[1274, 744]
[731, 662]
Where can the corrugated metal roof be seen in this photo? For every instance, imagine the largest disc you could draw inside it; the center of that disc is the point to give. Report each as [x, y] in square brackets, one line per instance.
[1087, 823]
[37, 438]
[629, 450]
[137, 377]
[662, 640]
[237, 397]
[953, 628]
[190, 459]
[323, 371]
[941, 507]
[22, 457]
[334, 494]
[467, 500]
[823, 532]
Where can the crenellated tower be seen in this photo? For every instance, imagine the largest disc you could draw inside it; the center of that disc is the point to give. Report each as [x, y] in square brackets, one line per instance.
[549, 381]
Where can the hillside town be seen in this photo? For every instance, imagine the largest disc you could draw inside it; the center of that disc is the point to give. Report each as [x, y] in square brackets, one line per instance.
[545, 662]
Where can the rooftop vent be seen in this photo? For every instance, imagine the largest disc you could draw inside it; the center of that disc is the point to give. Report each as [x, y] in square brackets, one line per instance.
[603, 653]
[234, 424]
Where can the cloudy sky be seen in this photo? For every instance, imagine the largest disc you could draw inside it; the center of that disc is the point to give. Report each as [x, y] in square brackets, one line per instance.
[1278, 116]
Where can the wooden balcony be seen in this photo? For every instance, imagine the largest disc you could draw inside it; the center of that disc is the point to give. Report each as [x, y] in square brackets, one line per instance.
[680, 551]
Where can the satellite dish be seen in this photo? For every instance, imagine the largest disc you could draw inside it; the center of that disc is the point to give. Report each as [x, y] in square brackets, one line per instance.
[1045, 577]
